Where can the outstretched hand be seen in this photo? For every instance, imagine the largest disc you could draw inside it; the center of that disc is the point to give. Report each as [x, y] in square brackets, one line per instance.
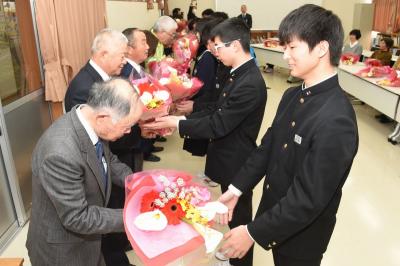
[229, 200]
[170, 122]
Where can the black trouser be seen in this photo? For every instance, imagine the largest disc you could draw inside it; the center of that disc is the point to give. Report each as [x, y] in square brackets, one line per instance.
[282, 260]
[114, 245]
[242, 215]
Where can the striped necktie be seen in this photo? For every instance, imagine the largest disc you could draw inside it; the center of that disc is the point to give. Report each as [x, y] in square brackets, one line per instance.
[100, 154]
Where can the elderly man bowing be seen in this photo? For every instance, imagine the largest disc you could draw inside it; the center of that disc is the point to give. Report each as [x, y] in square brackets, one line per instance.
[72, 170]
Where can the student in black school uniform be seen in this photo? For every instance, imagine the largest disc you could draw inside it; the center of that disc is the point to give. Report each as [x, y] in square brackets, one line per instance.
[205, 69]
[306, 154]
[232, 128]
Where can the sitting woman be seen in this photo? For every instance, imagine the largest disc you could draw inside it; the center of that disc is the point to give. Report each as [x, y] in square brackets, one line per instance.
[353, 46]
[383, 54]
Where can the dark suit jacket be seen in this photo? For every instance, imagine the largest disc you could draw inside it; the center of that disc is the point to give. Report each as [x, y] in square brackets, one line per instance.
[130, 141]
[69, 212]
[78, 89]
[233, 127]
[306, 156]
[204, 69]
[247, 19]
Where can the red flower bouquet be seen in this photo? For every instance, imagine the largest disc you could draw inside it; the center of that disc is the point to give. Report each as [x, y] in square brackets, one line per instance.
[271, 43]
[167, 216]
[349, 58]
[374, 72]
[372, 62]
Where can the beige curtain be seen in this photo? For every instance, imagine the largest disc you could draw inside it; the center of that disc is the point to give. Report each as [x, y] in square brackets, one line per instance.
[383, 15]
[396, 26]
[55, 83]
[66, 30]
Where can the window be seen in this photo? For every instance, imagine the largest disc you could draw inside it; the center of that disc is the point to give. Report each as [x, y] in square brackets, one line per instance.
[19, 64]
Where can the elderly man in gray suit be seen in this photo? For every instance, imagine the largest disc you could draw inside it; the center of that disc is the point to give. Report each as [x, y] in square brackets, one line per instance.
[72, 173]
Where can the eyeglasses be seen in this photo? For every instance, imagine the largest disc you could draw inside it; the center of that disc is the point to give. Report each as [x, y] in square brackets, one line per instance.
[224, 44]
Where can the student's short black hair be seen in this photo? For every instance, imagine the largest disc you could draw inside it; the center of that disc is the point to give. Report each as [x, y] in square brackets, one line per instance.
[313, 24]
[204, 27]
[207, 12]
[233, 29]
[389, 42]
[356, 33]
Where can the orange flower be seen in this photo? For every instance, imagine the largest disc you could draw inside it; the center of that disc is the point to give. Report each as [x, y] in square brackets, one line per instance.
[173, 211]
[147, 203]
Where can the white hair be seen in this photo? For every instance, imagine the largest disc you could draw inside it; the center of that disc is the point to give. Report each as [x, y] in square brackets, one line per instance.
[165, 23]
[108, 39]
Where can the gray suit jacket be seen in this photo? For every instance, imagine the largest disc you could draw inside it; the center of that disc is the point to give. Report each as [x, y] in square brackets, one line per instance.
[69, 212]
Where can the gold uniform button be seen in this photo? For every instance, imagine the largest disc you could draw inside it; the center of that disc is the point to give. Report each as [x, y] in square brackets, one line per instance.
[285, 145]
[267, 186]
[230, 79]
[301, 100]
[219, 109]
[224, 94]
[293, 123]
[273, 243]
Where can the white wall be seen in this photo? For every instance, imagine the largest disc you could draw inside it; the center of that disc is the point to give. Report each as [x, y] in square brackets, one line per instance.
[184, 6]
[122, 15]
[345, 11]
[267, 14]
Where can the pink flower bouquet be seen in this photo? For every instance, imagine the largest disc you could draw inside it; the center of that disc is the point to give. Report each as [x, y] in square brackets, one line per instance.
[179, 84]
[167, 216]
[185, 49]
[374, 72]
[182, 86]
[392, 81]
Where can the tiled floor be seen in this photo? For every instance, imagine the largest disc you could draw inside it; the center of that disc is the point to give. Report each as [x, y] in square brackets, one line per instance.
[366, 232]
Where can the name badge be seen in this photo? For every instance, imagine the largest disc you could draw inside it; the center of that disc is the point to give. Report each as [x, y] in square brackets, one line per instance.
[297, 139]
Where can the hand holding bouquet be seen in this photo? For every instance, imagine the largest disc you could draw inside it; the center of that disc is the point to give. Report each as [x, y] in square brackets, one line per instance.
[167, 216]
